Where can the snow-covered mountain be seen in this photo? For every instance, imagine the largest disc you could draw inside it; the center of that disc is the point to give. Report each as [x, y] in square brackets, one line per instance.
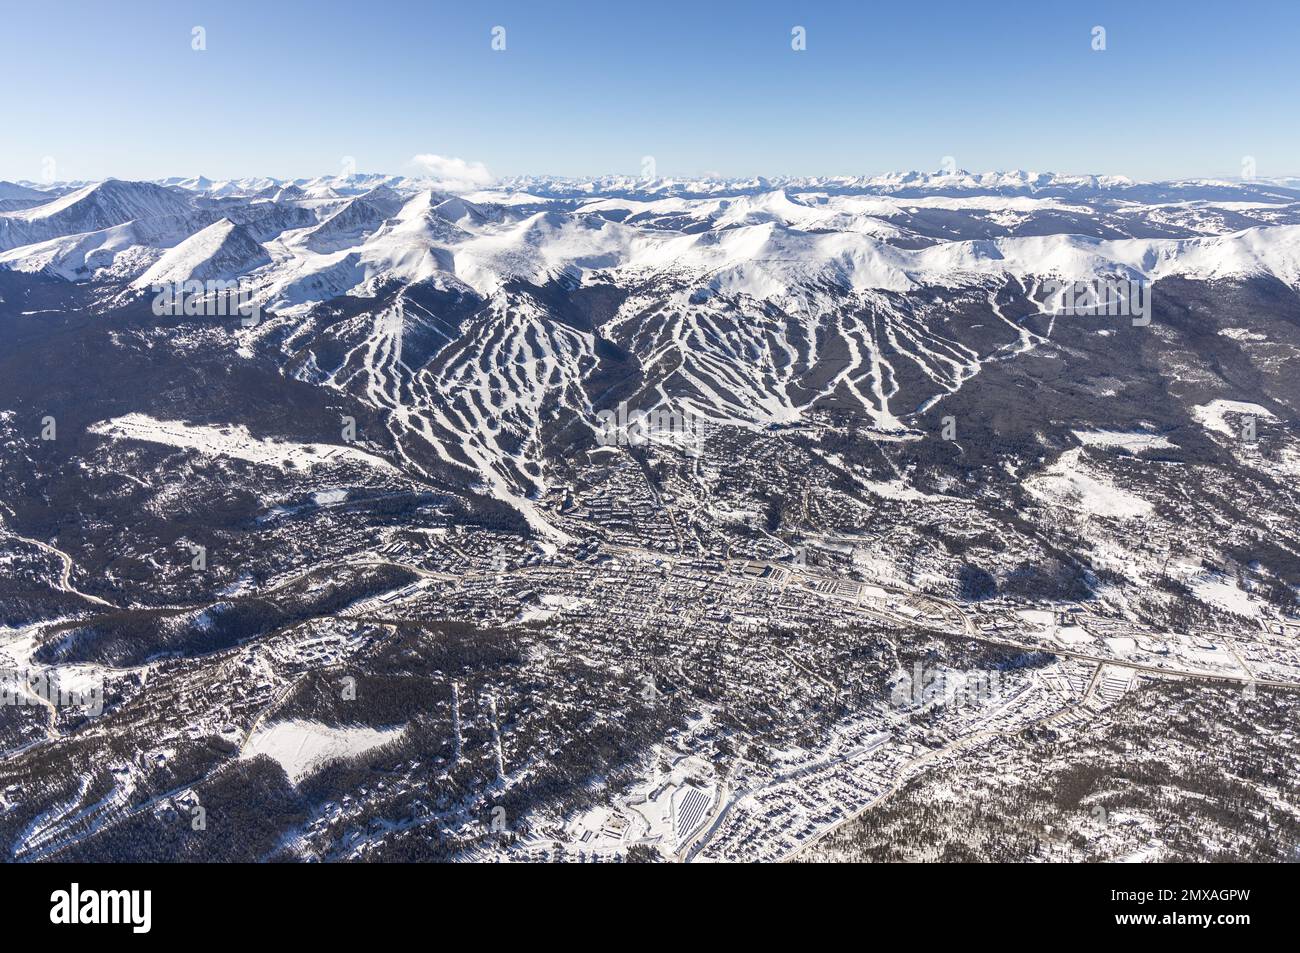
[222, 251]
[483, 322]
[10, 190]
[500, 454]
[335, 235]
[90, 209]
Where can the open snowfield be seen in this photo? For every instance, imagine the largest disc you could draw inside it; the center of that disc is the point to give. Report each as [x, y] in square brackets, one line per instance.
[235, 442]
[1225, 595]
[1070, 480]
[302, 747]
[1133, 442]
[1213, 416]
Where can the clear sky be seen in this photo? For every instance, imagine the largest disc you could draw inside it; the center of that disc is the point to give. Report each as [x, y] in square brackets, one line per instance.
[288, 89]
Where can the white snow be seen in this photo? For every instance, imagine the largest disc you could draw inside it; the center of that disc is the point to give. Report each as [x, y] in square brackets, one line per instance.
[221, 251]
[234, 441]
[1069, 480]
[1225, 595]
[1133, 441]
[1242, 334]
[303, 747]
[897, 490]
[1213, 415]
[765, 243]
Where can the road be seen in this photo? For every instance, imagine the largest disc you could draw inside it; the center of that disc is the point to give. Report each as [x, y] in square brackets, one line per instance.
[968, 625]
[65, 580]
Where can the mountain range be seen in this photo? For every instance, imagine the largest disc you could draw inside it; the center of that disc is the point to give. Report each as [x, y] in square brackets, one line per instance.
[747, 302]
[629, 506]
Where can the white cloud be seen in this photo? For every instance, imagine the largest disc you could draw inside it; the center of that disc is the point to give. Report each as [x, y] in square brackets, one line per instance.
[451, 174]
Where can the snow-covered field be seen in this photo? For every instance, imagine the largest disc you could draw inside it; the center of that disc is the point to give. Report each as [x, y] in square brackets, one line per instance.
[302, 747]
[1134, 442]
[1225, 595]
[1213, 416]
[1070, 480]
[235, 442]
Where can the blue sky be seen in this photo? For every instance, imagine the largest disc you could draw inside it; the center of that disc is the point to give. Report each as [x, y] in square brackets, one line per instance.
[289, 89]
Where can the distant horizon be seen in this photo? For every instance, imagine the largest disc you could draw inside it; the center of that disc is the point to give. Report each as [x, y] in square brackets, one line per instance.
[488, 184]
[1155, 92]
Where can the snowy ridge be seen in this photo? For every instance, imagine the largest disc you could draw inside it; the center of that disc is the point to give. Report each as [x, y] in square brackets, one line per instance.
[90, 209]
[748, 306]
[221, 251]
[331, 236]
